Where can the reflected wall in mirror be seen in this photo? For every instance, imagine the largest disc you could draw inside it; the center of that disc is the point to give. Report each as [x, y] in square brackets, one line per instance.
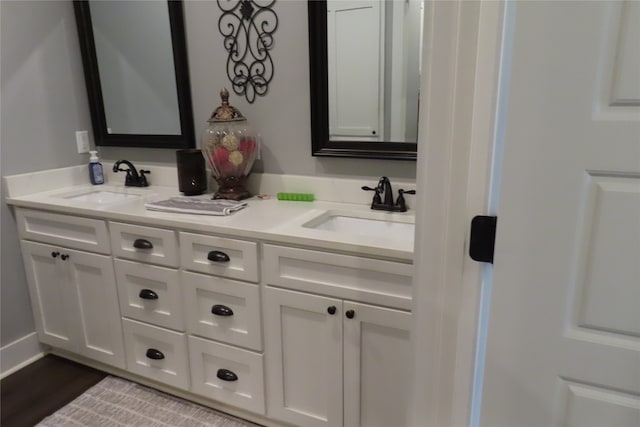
[365, 77]
[135, 63]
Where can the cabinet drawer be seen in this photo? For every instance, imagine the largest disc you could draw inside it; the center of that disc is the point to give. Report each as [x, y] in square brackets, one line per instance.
[242, 370]
[223, 309]
[236, 259]
[156, 353]
[362, 279]
[146, 244]
[64, 230]
[150, 293]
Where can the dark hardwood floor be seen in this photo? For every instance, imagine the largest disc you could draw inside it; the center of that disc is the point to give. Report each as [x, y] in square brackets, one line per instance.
[38, 390]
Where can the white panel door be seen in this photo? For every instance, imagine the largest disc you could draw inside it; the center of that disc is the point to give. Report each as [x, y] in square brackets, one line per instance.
[563, 346]
[303, 356]
[377, 368]
[54, 307]
[93, 282]
[355, 98]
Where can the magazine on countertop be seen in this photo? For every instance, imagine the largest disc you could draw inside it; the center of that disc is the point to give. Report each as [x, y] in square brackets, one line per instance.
[219, 207]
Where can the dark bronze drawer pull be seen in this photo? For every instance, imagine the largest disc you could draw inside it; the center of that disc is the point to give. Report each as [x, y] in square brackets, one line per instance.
[148, 294]
[221, 310]
[226, 375]
[217, 256]
[142, 244]
[154, 354]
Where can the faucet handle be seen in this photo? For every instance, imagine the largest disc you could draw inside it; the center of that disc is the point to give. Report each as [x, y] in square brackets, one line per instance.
[402, 205]
[376, 197]
[128, 179]
[143, 179]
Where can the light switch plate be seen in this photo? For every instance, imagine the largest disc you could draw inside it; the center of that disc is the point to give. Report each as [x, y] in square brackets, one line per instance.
[82, 141]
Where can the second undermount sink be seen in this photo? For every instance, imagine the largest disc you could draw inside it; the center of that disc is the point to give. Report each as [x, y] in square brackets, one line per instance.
[101, 197]
[367, 224]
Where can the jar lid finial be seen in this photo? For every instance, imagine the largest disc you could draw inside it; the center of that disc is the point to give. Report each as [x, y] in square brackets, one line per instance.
[226, 112]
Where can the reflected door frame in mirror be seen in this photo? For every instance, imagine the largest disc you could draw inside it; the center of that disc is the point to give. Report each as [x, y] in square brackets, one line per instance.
[321, 144]
[186, 138]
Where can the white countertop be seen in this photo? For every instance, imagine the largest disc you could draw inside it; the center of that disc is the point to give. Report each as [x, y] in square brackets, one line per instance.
[269, 220]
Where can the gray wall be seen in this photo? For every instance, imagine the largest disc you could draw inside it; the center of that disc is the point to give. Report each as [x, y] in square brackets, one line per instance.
[44, 102]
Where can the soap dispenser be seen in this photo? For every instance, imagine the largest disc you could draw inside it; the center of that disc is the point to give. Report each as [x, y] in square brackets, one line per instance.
[96, 174]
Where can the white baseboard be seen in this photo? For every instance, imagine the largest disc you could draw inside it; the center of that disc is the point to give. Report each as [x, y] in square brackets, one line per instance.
[20, 353]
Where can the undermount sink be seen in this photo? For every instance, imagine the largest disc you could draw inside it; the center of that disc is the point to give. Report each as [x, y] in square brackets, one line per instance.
[101, 197]
[367, 224]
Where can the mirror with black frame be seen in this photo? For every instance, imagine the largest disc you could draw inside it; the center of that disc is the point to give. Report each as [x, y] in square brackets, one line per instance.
[365, 58]
[134, 57]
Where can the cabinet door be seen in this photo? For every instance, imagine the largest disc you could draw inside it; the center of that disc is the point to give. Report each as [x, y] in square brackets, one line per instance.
[303, 353]
[376, 365]
[52, 299]
[355, 96]
[74, 301]
[93, 282]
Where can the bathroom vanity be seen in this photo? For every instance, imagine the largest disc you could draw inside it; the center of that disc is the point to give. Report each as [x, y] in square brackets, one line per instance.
[261, 314]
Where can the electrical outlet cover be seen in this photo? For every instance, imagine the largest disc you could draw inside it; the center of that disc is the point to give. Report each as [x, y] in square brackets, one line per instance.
[82, 141]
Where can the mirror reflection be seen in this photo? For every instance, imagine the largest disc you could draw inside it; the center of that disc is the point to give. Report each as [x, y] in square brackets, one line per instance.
[134, 57]
[132, 38]
[373, 60]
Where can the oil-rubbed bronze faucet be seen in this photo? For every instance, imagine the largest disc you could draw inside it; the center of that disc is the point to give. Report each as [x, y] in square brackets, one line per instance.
[133, 179]
[384, 188]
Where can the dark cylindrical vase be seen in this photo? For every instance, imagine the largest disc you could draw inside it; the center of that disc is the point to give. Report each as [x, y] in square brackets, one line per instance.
[192, 175]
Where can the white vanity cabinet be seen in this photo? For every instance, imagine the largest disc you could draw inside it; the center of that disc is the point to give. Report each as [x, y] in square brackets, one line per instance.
[298, 336]
[73, 292]
[330, 360]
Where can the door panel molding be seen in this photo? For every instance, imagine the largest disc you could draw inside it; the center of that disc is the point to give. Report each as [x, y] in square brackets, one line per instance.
[607, 242]
[618, 90]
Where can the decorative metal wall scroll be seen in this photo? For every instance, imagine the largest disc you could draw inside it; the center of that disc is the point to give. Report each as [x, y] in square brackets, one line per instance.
[248, 27]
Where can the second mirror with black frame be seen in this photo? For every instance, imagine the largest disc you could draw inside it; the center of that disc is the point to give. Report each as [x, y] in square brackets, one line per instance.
[365, 77]
[135, 63]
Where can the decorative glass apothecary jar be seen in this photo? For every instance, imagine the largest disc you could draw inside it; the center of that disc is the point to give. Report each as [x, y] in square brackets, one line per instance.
[230, 147]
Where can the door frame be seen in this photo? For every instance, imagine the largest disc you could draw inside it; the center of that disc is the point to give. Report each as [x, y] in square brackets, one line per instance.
[459, 128]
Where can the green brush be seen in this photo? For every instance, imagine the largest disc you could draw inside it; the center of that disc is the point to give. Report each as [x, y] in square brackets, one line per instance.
[296, 197]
